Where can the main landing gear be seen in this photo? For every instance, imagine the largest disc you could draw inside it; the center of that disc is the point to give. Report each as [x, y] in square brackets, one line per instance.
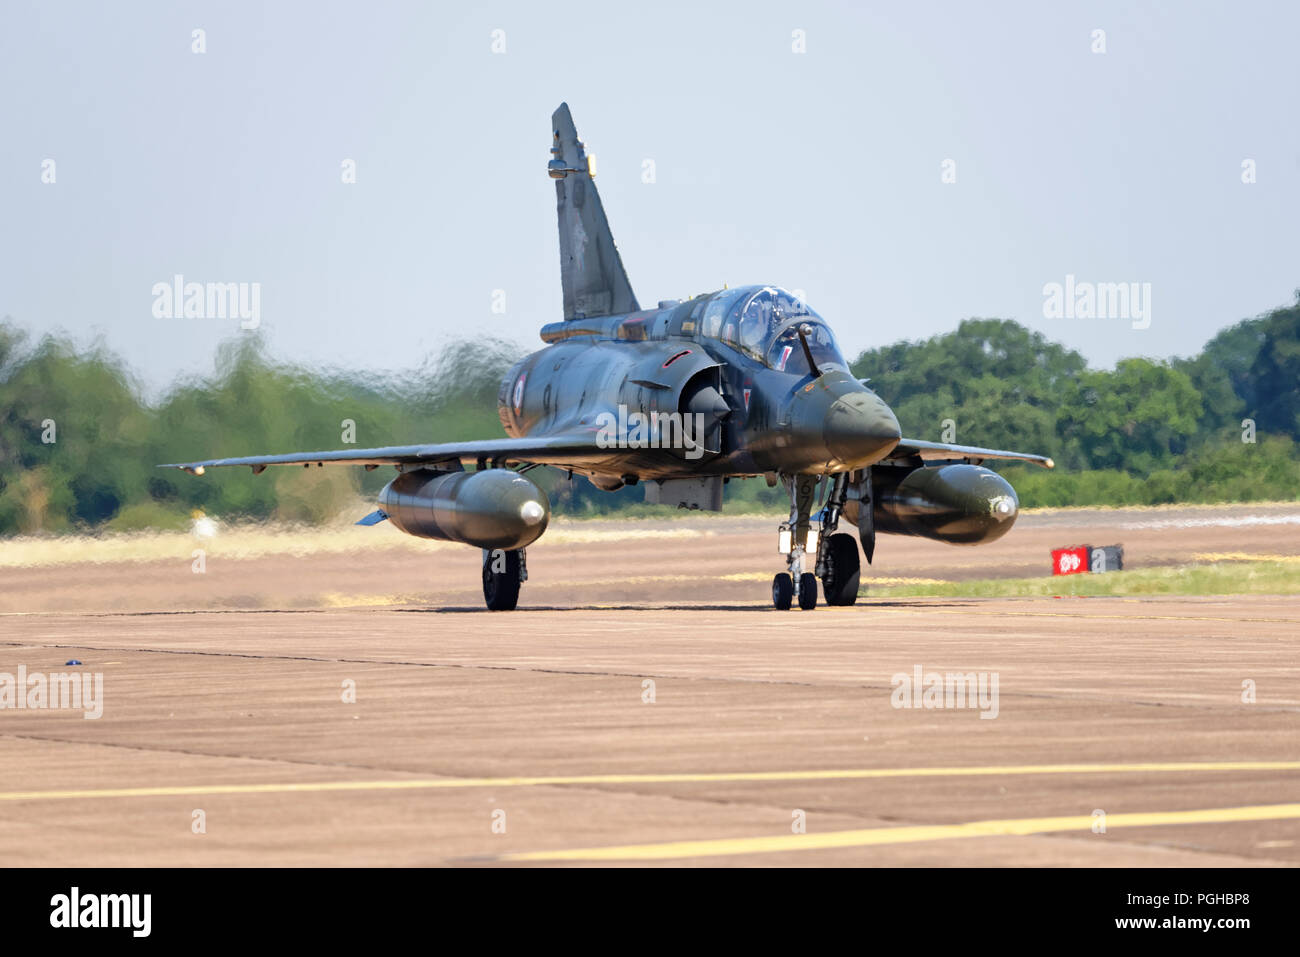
[835, 556]
[503, 572]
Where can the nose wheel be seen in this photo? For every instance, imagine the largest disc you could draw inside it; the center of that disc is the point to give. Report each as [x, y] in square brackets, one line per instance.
[797, 585]
[835, 557]
[783, 591]
[807, 591]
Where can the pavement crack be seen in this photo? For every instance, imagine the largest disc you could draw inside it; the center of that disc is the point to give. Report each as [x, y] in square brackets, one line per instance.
[658, 676]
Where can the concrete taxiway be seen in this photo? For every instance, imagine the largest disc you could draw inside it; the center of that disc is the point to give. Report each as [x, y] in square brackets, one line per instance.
[666, 727]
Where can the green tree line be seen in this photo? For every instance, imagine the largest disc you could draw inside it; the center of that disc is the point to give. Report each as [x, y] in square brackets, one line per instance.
[79, 442]
[1220, 427]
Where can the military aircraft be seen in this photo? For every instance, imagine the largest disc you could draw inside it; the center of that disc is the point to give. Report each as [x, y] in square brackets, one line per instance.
[682, 398]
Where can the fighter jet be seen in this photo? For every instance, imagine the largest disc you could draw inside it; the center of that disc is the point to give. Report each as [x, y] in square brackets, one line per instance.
[682, 398]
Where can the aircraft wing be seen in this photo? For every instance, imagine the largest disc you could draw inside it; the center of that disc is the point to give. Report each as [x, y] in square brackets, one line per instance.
[566, 449]
[938, 451]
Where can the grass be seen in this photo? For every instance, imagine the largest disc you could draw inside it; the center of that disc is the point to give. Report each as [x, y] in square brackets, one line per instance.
[255, 540]
[1271, 577]
[1227, 573]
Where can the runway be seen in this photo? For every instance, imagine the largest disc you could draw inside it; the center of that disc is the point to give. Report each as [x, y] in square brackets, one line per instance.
[670, 719]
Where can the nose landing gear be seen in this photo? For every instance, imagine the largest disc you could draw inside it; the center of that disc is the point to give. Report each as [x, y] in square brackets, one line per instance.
[797, 584]
[835, 556]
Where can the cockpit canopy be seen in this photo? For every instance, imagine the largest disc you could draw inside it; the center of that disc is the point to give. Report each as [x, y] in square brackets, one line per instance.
[763, 322]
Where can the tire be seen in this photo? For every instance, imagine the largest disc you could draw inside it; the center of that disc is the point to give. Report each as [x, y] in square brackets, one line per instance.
[782, 591]
[807, 591]
[501, 589]
[843, 571]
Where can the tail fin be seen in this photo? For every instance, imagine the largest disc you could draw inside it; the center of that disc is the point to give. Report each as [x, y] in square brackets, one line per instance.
[591, 271]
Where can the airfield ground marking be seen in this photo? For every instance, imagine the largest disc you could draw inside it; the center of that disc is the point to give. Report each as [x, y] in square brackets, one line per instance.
[922, 609]
[867, 837]
[684, 778]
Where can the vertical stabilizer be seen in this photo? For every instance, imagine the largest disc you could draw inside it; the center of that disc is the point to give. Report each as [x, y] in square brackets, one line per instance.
[591, 271]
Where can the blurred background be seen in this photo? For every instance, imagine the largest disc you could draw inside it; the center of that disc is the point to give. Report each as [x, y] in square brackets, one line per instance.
[377, 171]
[1141, 433]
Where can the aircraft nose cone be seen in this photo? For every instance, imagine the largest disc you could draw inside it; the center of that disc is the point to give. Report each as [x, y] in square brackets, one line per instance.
[860, 429]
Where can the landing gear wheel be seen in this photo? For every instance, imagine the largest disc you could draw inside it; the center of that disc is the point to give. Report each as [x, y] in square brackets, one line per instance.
[501, 580]
[843, 570]
[807, 591]
[782, 591]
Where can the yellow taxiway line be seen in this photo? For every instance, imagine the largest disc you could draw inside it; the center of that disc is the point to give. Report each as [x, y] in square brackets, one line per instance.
[905, 835]
[683, 778]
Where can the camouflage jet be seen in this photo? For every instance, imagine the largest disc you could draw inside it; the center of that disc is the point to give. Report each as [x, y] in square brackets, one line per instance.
[681, 398]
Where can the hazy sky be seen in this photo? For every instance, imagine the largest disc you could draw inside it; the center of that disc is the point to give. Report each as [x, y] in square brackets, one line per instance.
[819, 171]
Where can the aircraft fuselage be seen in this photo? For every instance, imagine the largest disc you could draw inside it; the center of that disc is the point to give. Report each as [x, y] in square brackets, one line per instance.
[662, 361]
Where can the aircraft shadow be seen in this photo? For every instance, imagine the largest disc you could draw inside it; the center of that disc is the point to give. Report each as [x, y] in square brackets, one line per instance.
[739, 609]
